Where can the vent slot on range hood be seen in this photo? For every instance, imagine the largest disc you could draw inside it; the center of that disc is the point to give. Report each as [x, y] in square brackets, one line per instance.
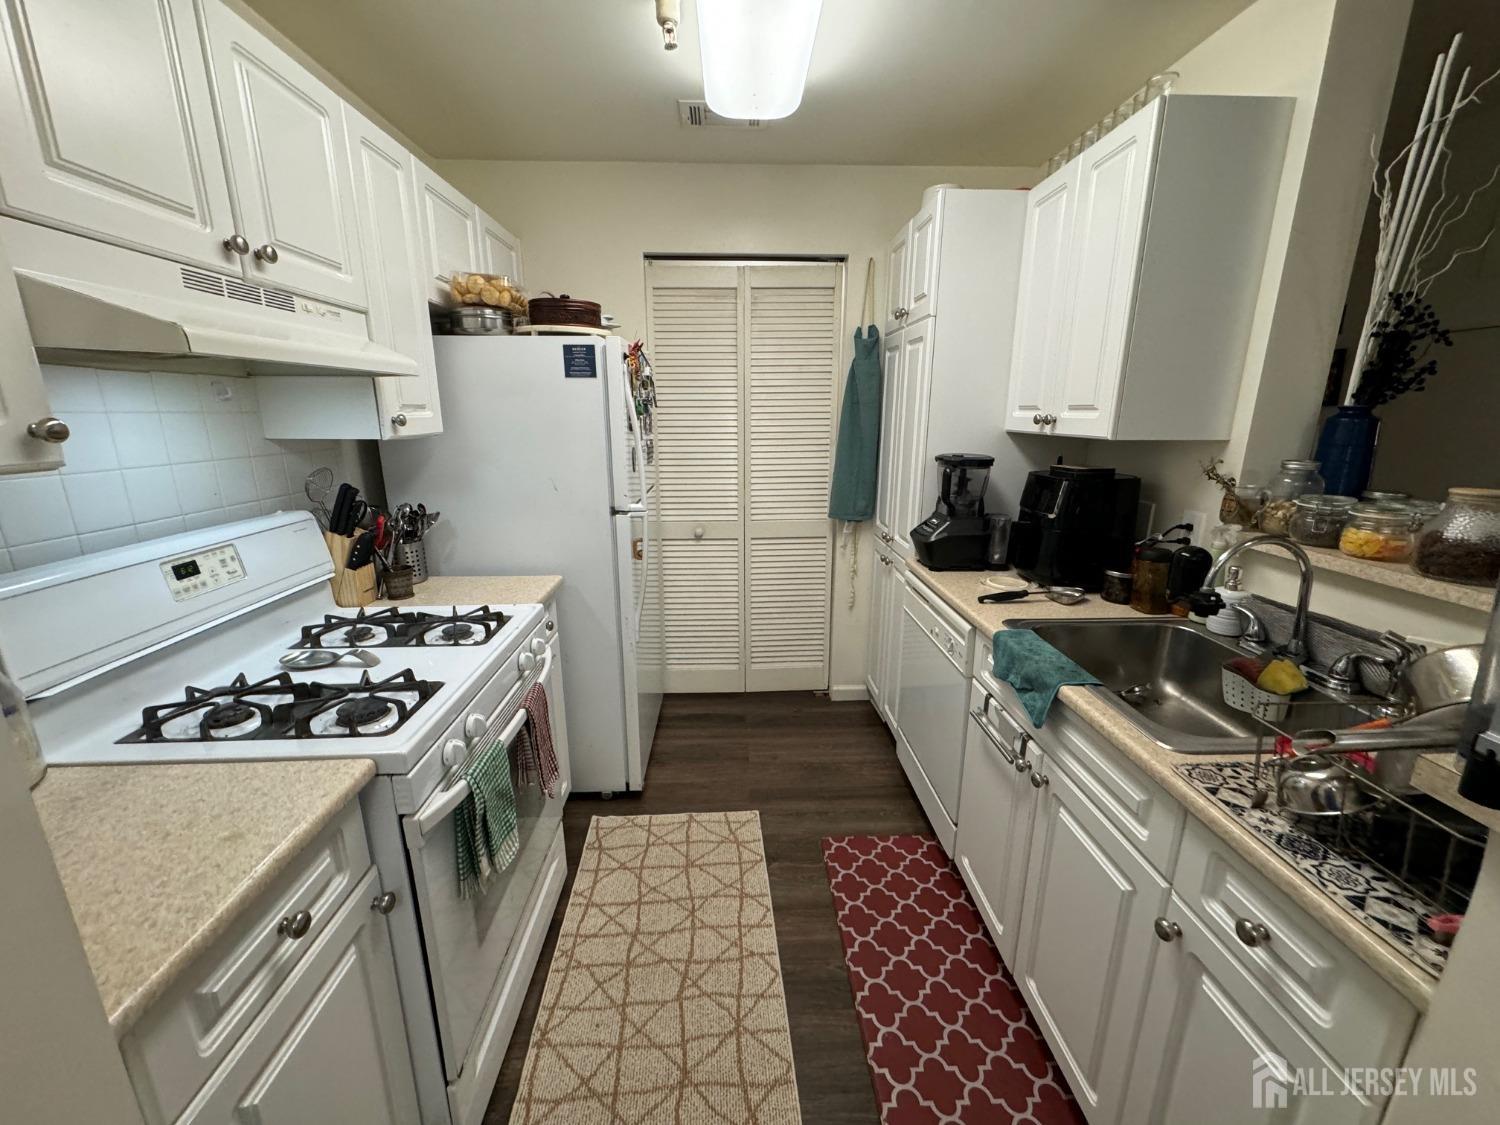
[201, 281]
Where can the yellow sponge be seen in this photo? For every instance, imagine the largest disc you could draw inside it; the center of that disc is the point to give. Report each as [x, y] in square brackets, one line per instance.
[1282, 677]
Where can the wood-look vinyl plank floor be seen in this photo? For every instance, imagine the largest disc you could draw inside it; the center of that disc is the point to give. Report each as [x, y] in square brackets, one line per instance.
[812, 769]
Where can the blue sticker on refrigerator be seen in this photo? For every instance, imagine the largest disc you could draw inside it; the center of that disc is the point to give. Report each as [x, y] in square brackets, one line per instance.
[580, 362]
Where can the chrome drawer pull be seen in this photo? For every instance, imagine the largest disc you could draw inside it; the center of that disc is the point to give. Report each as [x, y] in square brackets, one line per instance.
[295, 925]
[1166, 929]
[1251, 933]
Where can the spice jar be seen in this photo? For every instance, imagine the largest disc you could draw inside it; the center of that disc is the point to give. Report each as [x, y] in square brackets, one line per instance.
[1380, 532]
[1117, 585]
[1294, 478]
[1421, 511]
[1241, 506]
[1318, 520]
[1148, 586]
[1462, 542]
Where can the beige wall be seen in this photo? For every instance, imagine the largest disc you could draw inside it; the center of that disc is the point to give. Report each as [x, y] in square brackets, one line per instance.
[586, 226]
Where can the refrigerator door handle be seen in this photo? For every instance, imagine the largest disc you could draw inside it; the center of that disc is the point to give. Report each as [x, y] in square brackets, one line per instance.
[637, 509]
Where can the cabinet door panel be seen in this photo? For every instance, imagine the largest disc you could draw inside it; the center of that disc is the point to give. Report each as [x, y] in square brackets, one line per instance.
[880, 580]
[890, 641]
[911, 454]
[290, 163]
[1111, 218]
[390, 234]
[450, 233]
[1212, 1044]
[891, 423]
[922, 271]
[897, 278]
[995, 807]
[1086, 939]
[151, 177]
[501, 250]
[1041, 310]
[23, 395]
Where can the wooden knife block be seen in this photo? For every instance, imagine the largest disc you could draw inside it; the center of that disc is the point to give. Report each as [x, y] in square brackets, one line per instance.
[351, 588]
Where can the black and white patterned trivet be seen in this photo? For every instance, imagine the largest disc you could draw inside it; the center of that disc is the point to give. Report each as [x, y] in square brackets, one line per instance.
[1378, 901]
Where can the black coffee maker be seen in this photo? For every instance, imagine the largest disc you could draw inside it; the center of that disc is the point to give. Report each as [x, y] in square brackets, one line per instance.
[957, 534]
[1075, 523]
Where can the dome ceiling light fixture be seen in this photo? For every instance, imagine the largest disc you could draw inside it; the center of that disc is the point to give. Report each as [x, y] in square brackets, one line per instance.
[756, 54]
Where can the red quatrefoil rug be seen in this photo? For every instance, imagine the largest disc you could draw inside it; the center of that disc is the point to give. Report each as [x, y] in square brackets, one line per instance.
[949, 1039]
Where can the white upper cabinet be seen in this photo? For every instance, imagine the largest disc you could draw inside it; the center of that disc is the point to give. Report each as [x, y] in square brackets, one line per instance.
[289, 161]
[922, 259]
[897, 279]
[1141, 272]
[107, 126]
[385, 196]
[910, 506]
[1041, 299]
[500, 250]
[450, 234]
[890, 436]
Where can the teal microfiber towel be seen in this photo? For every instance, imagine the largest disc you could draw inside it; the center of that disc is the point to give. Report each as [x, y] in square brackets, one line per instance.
[1035, 669]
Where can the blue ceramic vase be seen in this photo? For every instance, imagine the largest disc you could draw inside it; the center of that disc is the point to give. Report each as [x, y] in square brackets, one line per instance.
[1346, 450]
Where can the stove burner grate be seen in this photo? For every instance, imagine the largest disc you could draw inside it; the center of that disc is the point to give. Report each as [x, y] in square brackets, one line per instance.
[404, 628]
[279, 707]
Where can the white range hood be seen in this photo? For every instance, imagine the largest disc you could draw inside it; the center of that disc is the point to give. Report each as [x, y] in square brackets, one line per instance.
[95, 305]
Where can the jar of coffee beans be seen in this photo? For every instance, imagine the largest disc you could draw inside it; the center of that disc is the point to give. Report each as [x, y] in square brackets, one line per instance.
[1462, 542]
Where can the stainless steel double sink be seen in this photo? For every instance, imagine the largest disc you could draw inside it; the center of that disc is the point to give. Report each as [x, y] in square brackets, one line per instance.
[1166, 677]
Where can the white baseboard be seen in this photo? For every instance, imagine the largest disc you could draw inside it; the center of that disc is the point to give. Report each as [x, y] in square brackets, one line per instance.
[844, 693]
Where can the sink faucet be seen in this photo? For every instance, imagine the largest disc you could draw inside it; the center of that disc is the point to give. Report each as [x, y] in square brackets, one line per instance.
[1296, 648]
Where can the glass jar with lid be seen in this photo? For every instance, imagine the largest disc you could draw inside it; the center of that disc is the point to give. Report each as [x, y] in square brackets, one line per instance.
[1318, 520]
[1294, 478]
[1462, 542]
[1378, 532]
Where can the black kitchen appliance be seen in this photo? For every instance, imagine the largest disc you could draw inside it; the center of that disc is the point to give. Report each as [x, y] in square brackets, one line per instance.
[1075, 523]
[957, 534]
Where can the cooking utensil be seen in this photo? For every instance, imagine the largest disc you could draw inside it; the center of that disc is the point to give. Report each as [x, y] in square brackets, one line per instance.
[326, 658]
[1444, 678]
[1062, 595]
[1312, 786]
[317, 485]
[564, 310]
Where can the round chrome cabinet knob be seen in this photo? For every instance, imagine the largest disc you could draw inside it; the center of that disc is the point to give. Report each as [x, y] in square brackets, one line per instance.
[1166, 929]
[267, 254]
[384, 904]
[52, 430]
[237, 244]
[295, 925]
[1036, 419]
[1251, 933]
[398, 420]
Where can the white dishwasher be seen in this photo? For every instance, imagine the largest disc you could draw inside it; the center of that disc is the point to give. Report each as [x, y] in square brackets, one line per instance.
[931, 706]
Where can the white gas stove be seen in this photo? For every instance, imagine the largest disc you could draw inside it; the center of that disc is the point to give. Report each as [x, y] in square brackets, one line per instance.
[172, 651]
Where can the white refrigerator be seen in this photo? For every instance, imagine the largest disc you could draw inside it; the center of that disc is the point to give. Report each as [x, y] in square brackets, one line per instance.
[543, 467]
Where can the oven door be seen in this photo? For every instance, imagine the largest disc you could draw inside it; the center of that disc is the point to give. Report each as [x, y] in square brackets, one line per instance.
[467, 939]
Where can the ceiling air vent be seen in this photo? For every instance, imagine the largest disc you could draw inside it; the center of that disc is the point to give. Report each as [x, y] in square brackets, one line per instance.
[201, 281]
[697, 115]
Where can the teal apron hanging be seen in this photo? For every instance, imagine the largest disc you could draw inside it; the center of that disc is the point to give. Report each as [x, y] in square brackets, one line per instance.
[856, 461]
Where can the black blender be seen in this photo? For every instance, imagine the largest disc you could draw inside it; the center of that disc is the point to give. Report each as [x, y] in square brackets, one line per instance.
[957, 534]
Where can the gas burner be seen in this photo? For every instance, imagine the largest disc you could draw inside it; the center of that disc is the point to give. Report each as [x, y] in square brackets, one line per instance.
[398, 628]
[280, 707]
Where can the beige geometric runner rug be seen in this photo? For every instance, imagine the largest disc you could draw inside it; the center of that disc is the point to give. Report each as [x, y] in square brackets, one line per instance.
[664, 1003]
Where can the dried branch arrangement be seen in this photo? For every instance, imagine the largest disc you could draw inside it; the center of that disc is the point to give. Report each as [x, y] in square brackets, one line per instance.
[1414, 220]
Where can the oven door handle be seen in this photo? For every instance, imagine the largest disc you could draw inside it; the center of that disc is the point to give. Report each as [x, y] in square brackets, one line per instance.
[441, 805]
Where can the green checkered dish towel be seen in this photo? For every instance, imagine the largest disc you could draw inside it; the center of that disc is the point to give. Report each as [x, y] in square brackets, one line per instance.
[486, 837]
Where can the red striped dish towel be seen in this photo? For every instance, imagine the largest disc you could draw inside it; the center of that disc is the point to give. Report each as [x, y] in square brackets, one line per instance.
[539, 757]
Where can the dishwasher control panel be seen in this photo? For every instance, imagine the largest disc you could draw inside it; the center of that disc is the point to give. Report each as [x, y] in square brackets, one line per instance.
[199, 574]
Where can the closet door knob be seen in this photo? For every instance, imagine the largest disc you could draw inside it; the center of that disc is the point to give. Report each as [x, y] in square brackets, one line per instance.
[237, 244]
[697, 533]
[267, 254]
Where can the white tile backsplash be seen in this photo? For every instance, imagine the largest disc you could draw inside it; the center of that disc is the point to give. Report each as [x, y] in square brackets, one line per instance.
[151, 454]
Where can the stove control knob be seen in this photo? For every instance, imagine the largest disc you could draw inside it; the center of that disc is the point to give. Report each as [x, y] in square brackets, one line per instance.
[527, 663]
[453, 752]
[475, 726]
[538, 647]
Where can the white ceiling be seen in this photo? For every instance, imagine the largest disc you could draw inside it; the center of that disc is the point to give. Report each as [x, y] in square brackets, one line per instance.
[978, 82]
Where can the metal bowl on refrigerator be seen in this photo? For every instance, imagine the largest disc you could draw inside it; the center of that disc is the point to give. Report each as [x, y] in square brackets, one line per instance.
[479, 320]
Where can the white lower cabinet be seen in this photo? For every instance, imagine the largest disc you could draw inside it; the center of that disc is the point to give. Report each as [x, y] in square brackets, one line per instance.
[332, 1046]
[1086, 938]
[887, 590]
[1214, 1047]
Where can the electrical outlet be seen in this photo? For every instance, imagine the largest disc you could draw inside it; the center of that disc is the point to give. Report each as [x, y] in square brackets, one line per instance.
[1199, 520]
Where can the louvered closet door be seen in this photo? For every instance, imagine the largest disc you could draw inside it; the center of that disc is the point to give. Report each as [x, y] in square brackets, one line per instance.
[694, 314]
[745, 360]
[793, 317]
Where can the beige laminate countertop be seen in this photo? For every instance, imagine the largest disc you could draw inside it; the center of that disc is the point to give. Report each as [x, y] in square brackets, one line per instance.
[158, 860]
[960, 589]
[449, 590]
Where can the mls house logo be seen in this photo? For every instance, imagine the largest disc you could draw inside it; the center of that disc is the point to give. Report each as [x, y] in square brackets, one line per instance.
[1268, 1082]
